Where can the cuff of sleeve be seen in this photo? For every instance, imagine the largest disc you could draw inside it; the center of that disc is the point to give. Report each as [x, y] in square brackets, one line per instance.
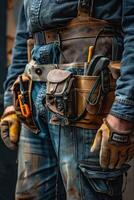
[8, 99]
[123, 109]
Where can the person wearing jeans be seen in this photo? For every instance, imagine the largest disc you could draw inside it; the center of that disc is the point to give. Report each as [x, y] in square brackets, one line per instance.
[87, 162]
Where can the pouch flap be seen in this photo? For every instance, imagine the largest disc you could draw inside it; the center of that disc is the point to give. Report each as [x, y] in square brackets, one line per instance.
[93, 170]
[58, 75]
[104, 180]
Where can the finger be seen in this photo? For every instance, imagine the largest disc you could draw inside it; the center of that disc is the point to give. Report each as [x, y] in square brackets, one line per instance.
[97, 141]
[104, 157]
[130, 154]
[114, 156]
[122, 159]
[130, 158]
[14, 132]
[4, 130]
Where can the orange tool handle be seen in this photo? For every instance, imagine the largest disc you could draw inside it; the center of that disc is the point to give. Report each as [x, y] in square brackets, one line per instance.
[90, 53]
[25, 110]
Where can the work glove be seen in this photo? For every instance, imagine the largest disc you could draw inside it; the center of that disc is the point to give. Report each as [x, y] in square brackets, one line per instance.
[116, 148]
[10, 129]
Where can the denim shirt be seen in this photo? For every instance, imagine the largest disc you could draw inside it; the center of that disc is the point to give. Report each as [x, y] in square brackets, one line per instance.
[37, 15]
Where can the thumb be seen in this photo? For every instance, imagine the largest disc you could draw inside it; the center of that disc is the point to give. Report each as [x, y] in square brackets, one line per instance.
[97, 141]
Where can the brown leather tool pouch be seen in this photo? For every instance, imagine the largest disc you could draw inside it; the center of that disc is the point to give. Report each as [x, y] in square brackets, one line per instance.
[77, 99]
[59, 95]
[22, 101]
[91, 111]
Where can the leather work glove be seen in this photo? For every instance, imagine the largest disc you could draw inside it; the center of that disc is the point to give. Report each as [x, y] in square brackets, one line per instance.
[10, 129]
[116, 147]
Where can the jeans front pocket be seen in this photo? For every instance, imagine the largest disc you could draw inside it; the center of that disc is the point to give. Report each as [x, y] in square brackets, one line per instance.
[107, 182]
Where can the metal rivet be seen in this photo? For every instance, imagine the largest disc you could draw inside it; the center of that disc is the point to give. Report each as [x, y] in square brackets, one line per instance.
[51, 90]
[38, 71]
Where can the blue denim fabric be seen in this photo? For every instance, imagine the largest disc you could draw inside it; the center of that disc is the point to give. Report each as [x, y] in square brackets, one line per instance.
[19, 58]
[37, 168]
[46, 14]
[125, 106]
[44, 54]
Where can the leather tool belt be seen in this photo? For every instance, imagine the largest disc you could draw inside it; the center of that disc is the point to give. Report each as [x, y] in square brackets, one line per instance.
[79, 100]
[82, 32]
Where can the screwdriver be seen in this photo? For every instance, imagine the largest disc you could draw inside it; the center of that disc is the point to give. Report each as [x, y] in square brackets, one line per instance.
[90, 53]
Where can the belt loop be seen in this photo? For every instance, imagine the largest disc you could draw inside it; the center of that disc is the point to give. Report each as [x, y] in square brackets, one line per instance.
[30, 35]
[40, 38]
[85, 7]
[59, 39]
[91, 8]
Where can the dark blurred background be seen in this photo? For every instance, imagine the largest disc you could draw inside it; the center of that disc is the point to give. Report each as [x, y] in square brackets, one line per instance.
[8, 159]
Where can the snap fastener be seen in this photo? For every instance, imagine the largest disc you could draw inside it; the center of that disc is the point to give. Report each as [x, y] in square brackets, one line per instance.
[38, 71]
[51, 90]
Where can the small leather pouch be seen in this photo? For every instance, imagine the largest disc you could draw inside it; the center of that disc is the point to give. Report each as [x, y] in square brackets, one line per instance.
[82, 100]
[90, 101]
[59, 95]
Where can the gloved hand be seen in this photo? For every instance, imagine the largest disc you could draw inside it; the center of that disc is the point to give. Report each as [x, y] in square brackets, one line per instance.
[116, 147]
[10, 129]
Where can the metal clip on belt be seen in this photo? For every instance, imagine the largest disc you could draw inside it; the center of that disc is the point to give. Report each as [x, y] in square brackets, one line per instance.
[25, 110]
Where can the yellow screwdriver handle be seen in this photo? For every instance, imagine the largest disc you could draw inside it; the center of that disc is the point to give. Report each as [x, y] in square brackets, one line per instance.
[90, 53]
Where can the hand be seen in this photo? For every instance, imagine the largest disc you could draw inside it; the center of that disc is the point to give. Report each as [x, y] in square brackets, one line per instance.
[10, 128]
[116, 144]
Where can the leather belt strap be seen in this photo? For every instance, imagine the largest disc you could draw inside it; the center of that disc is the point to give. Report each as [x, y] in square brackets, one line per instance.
[39, 72]
[79, 27]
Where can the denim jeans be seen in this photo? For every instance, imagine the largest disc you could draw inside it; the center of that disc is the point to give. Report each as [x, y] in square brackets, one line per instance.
[64, 151]
[37, 168]
[80, 173]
